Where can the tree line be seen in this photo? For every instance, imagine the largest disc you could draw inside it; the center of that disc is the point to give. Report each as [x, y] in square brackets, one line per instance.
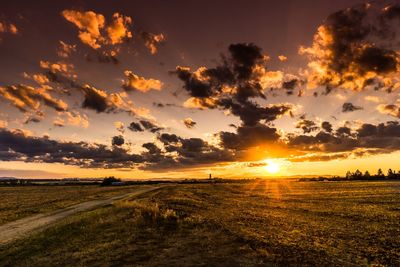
[358, 175]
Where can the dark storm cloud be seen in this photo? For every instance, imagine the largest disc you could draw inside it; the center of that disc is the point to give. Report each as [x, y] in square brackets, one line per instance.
[167, 138]
[381, 137]
[307, 126]
[118, 140]
[250, 113]
[150, 126]
[143, 125]
[190, 152]
[95, 99]
[326, 126]
[231, 84]
[349, 107]
[290, 85]
[343, 131]
[43, 149]
[135, 127]
[189, 123]
[152, 148]
[248, 136]
[356, 47]
[244, 57]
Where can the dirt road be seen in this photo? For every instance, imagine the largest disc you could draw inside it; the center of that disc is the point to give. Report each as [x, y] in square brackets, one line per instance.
[20, 228]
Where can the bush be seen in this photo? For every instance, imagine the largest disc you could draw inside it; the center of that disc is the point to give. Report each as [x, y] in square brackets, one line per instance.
[110, 181]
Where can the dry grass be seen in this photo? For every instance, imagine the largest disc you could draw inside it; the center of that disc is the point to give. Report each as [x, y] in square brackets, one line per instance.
[24, 201]
[254, 224]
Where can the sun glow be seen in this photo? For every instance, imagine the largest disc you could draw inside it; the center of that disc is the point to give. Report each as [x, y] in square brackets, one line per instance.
[272, 167]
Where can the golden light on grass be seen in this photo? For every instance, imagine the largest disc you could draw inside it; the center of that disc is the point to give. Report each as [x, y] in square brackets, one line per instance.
[272, 167]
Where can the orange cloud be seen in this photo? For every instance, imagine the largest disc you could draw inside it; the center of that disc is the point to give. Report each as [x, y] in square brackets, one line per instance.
[8, 28]
[350, 50]
[282, 58]
[93, 30]
[26, 98]
[152, 40]
[142, 84]
[390, 109]
[118, 30]
[89, 24]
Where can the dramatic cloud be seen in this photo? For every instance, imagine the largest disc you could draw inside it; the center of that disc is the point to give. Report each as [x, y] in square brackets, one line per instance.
[118, 30]
[100, 101]
[151, 41]
[349, 107]
[249, 136]
[183, 152]
[307, 126]
[390, 109]
[232, 85]
[27, 98]
[367, 139]
[95, 32]
[150, 126]
[76, 119]
[96, 99]
[72, 118]
[118, 140]
[355, 48]
[89, 24]
[326, 126]
[135, 127]
[17, 145]
[189, 123]
[135, 82]
[143, 125]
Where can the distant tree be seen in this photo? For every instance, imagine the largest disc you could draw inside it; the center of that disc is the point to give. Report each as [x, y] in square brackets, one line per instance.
[380, 173]
[367, 175]
[357, 174]
[391, 174]
[349, 175]
[110, 180]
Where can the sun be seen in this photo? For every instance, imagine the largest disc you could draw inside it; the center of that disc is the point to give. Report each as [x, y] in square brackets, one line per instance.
[271, 167]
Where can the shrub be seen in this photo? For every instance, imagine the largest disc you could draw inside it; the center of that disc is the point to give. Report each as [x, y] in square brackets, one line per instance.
[109, 181]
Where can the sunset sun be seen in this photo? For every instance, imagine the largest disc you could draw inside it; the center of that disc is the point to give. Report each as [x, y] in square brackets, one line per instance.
[272, 167]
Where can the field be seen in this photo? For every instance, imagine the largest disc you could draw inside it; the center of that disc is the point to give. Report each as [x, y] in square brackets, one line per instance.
[235, 224]
[19, 202]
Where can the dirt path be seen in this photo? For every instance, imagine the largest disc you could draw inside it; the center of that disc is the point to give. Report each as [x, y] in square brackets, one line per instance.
[20, 228]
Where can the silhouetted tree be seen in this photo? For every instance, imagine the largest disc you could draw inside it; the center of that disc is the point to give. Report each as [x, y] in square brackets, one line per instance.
[380, 174]
[110, 180]
[349, 175]
[367, 175]
[391, 174]
[357, 175]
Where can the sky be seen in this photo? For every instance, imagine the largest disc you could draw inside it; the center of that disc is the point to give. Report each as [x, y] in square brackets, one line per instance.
[182, 89]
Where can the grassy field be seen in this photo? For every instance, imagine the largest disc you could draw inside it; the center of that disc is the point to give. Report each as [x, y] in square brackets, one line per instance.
[19, 202]
[253, 224]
